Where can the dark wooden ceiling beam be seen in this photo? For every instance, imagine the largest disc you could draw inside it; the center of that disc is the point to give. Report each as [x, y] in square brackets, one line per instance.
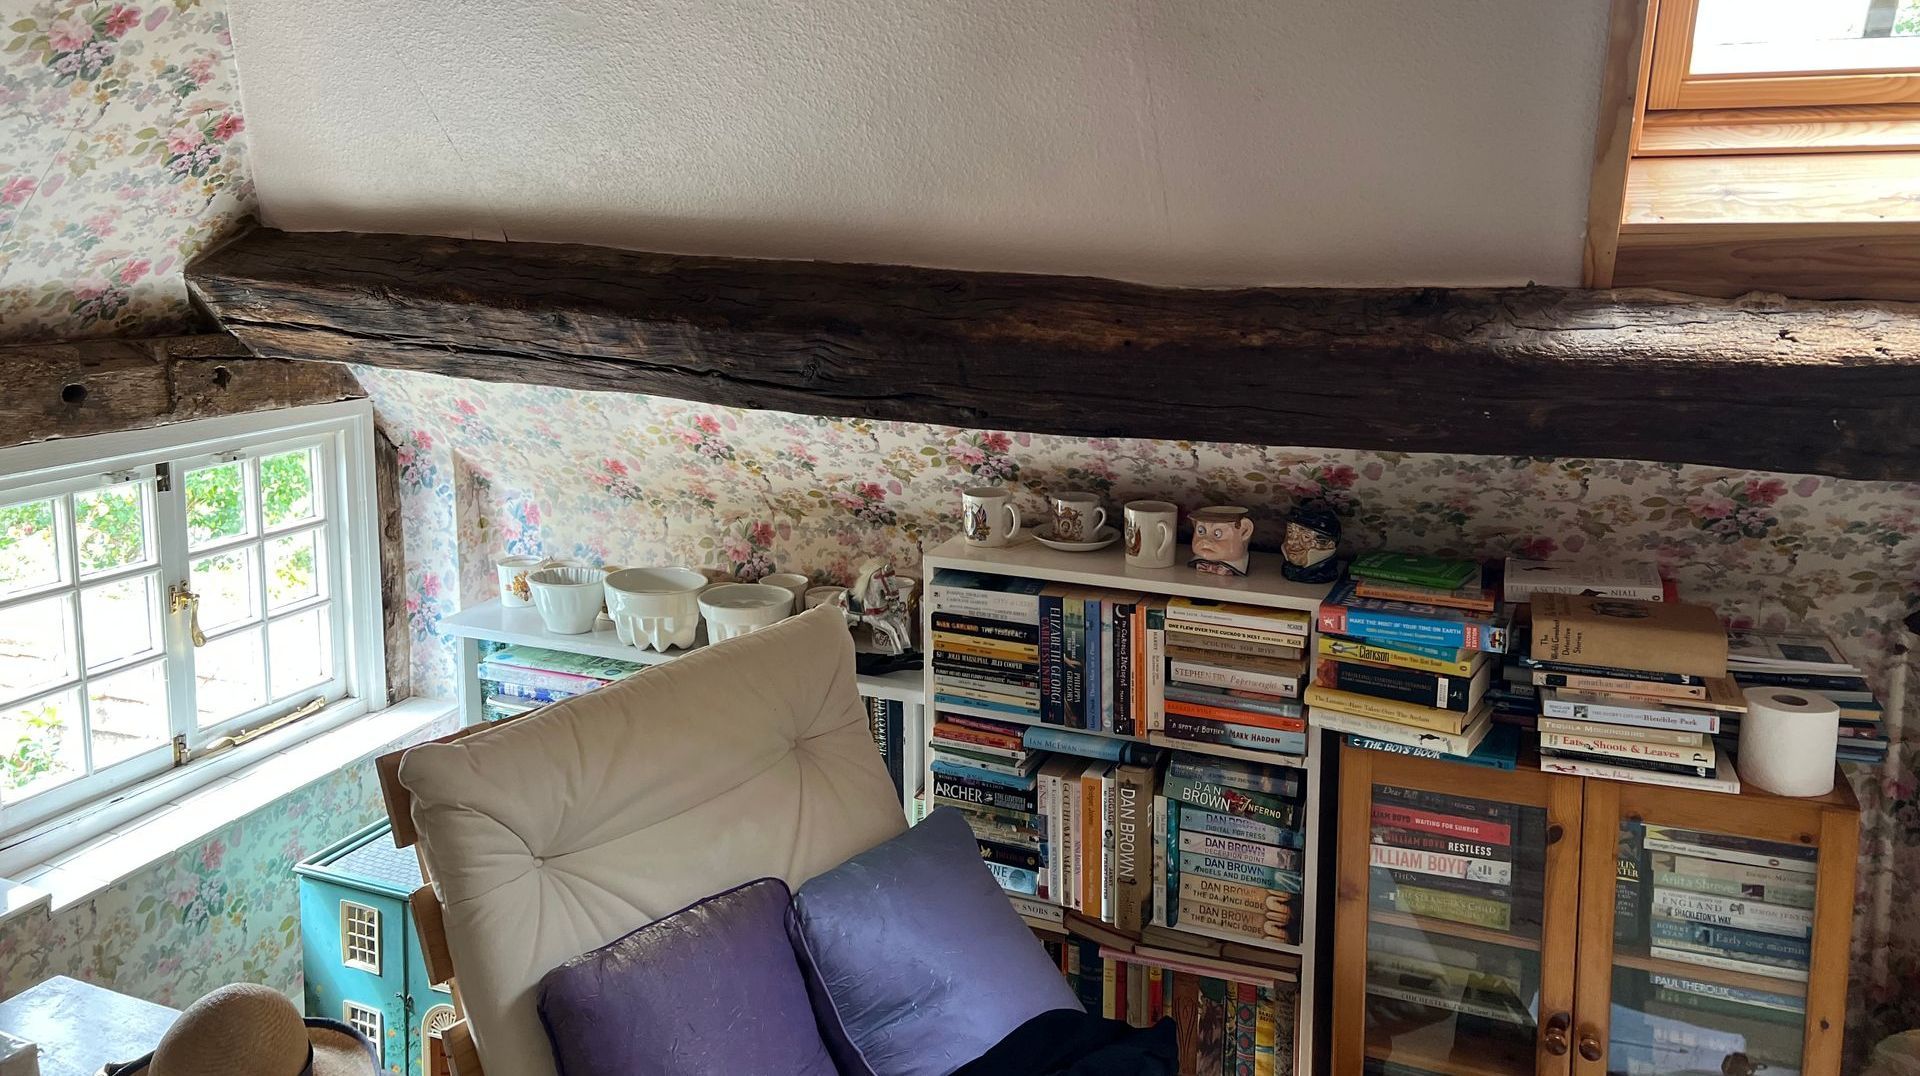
[1770, 384]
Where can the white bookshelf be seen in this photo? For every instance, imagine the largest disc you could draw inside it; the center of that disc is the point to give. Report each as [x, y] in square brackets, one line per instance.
[1108, 569]
[491, 621]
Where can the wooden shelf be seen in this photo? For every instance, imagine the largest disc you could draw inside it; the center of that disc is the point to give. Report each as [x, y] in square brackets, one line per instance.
[521, 626]
[1452, 929]
[1638, 959]
[1471, 1056]
[1108, 568]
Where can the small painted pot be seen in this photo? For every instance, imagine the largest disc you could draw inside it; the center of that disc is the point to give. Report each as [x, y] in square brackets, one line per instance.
[568, 598]
[656, 608]
[739, 608]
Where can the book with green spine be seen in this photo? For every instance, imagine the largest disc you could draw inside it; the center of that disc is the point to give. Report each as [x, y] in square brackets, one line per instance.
[1442, 573]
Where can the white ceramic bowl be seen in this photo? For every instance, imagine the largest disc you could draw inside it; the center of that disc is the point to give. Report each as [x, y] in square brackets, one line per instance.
[738, 608]
[568, 598]
[655, 607]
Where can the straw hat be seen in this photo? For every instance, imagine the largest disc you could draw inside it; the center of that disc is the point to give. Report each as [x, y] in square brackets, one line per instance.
[248, 1030]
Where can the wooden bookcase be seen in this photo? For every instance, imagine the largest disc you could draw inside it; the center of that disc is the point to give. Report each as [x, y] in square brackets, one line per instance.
[1108, 569]
[1580, 855]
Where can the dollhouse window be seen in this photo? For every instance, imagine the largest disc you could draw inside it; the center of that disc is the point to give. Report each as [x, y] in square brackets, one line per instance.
[360, 936]
[367, 1022]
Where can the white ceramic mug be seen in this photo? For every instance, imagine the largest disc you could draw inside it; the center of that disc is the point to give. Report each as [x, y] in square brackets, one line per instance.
[1151, 528]
[793, 583]
[513, 571]
[1077, 516]
[982, 510]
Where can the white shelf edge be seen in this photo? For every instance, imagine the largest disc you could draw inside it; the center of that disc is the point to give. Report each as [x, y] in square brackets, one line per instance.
[1108, 568]
[493, 622]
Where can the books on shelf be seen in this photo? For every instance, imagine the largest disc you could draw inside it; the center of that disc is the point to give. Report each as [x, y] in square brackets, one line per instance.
[555, 672]
[1232, 849]
[1672, 637]
[1345, 612]
[1447, 857]
[1416, 569]
[1637, 580]
[1723, 778]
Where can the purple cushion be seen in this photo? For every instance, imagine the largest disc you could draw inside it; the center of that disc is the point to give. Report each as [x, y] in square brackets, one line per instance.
[712, 990]
[917, 962]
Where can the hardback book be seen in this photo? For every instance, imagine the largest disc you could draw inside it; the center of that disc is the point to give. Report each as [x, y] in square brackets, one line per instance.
[1462, 743]
[1780, 651]
[1675, 637]
[1438, 690]
[1442, 660]
[1187, 611]
[1442, 572]
[1406, 713]
[1638, 580]
[1345, 612]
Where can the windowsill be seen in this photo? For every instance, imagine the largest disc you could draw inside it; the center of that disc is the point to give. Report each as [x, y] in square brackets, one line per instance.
[80, 873]
[1801, 192]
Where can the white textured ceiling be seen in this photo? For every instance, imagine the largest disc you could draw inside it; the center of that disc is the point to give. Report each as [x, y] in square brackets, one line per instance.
[1172, 141]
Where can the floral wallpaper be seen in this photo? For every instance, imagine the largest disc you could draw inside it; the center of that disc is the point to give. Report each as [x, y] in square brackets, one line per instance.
[221, 911]
[122, 154]
[625, 479]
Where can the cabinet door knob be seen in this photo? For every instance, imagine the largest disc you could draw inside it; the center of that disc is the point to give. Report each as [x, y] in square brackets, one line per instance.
[1555, 1035]
[1590, 1044]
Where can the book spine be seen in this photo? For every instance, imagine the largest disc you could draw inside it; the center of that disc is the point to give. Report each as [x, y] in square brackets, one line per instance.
[1246, 1001]
[1283, 648]
[1726, 912]
[1442, 845]
[1014, 879]
[509, 690]
[1195, 820]
[1052, 671]
[1223, 799]
[1707, 845]
[1451, 660]
[1011, 855]
[978, 646]
[987, 812]
[1667, 987]
[1073, 743]
[1249, 852]
[1156, 666]
[968, 790]
[1473, 596]
[1257, 702]
[1266, 1031]
[1261, 925]
[1197, 615]
[1105, 658]
[1179, 726]
[1733, 941]
[1789, 896]
[1109, 866]
[1073, 662]
[1636, 762]
[1023, 672]
[1423, 717]
[1273, 780]
[1132, 847]
[1484, 830]
[1122, 665]
[1485, 871]
[1211, 1056]
[1181, 671]
[983, 774]
[1464, 634]
[1440, 904]
[1444, 803]
[1729, 963]
[964, 739]
[1617, 685]
[988, 605]
[1092, 843]
[1073, 854]
[1166, 857]
[1794, 886]
[1669, 737]
[1021, 701]
[1005, 631]
[1048, 786]
[1239, 895]
[1008, 708]
[539, 679]
[1232, 870]
[1095, 677]
[1404, 685]
[1629, 715]
[1459, 745]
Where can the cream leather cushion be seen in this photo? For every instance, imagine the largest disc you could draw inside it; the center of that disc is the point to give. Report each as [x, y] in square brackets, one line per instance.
[558, 833]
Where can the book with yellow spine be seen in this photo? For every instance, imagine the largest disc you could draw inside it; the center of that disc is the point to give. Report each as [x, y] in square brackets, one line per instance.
[1463, 664]
[1406, 713]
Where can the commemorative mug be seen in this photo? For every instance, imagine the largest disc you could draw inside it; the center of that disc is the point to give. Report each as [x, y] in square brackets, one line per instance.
[983, 511]
[1077, 516]
[513, 570]
[1150, 529]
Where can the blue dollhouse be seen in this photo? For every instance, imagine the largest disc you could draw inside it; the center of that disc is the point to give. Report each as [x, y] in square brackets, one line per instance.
[360, 952]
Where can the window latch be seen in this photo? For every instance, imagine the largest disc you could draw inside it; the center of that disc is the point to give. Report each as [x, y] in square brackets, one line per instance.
[180, 599]
[163, 477]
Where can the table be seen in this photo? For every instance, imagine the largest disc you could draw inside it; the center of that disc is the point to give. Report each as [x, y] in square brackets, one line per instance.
[81, 1027]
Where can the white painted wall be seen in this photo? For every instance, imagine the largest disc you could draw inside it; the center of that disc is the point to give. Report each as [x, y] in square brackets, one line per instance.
[1172, 141]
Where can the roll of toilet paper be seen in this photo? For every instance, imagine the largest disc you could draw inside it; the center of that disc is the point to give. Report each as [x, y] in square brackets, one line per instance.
[1787, 741]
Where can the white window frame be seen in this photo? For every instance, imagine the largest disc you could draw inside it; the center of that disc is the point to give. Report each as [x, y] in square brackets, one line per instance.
[349, 938]
[368, 1021]
[349, 494]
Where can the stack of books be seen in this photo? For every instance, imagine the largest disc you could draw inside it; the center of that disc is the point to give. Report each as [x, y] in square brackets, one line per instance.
[1483, 988]
[1673, 1023]
[983, 769]
[1734, 903]
[1411, 673]
[1233, 677]
[1632, 690]
[1452, 858]
[516, 679]
[1233, 850]
[1241, 1016]
[1046, 653]
[1811, 662]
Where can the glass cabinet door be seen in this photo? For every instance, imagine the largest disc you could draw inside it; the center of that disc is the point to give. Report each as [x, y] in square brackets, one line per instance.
[1701, 948]
[1458, 891]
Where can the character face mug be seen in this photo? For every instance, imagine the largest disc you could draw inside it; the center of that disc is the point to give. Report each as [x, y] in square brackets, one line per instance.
[1307, 550]
[1221, 535]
